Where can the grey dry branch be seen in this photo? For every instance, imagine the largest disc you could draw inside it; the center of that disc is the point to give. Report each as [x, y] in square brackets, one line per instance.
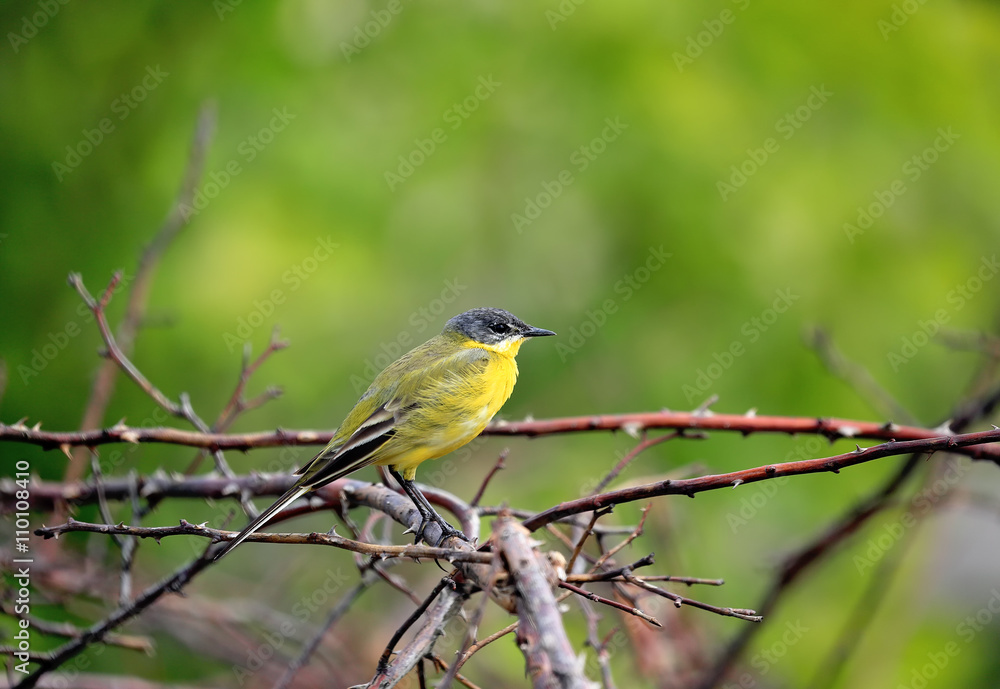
[395, 505]
[607, 575]
[182, 409]
[98, 631]
[591, 596]
[71, 631]
[447, 599]
[551, 662]
[368, 578]
[185, 528]
[451, 673]
[678, 600]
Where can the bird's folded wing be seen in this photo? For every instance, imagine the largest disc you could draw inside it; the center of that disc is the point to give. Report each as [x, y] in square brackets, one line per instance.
[359, 449]
[356, 452]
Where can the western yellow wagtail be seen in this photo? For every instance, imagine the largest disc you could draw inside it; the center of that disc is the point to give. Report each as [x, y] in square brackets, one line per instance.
[429, 402]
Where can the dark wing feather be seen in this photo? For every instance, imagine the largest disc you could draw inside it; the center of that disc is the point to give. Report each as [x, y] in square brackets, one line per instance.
[357, 451]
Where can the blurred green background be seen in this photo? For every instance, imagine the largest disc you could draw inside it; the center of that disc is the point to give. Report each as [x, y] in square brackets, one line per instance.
[647, 179]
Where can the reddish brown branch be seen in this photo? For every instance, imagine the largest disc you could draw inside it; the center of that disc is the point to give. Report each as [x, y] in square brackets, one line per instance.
[692, 486]
[833, 429]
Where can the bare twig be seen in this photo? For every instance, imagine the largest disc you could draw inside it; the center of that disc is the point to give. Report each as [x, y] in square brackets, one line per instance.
[71, 631]
[96, 633]
[690, 581]
[631, 537]
[678, 600]
[383, 661]
[132, 544]
[473, 628]
[214, 487]
[237, 403]
[185, 528]
[479, 645]
[590, 595]
[182, 408]
[104, 381]
[609, 574]
[857, 376]
[807, 466]
[368, 578]
[798, 563]
[449, 602]
[89, 680]
[102, 502]
[645, 444]
[861, 616]
[464, 681]
[497, 466]
[600, 647]
[593, 620]
[584, 535]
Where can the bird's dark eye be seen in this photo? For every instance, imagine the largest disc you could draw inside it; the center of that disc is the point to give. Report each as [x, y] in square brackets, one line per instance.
[499, 328]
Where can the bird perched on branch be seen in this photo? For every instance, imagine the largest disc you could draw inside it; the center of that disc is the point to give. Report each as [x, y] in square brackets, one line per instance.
[429, 402]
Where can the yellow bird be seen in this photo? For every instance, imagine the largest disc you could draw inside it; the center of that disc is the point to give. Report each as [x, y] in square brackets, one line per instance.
[429, 402]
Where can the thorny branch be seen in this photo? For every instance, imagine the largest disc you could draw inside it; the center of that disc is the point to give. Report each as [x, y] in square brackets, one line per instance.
[734, 479]
[551, 662]
[801, 561]
[185, 528]
[536, 662]
[96, 633]
[104, 381]
[509, 570]
[830, 428]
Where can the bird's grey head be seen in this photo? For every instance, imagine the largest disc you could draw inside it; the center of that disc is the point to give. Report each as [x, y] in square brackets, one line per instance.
[492, 326]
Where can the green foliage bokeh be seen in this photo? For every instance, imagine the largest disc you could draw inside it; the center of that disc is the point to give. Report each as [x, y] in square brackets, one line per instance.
[373, 177]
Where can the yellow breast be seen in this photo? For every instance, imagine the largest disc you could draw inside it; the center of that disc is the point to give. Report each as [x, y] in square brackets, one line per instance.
[455, 412]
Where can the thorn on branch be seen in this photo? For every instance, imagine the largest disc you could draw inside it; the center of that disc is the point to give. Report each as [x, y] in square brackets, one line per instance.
[590, 595]
[703, 408]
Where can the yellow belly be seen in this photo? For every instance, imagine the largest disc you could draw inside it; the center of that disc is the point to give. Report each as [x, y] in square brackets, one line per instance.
[454, 413]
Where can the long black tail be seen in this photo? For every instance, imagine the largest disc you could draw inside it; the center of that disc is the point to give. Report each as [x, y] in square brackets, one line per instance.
[291, 496]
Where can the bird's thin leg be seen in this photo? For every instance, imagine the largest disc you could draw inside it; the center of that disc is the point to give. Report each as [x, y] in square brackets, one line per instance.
[426, 510]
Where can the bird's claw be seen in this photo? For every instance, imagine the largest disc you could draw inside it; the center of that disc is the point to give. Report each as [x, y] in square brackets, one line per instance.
[447, 531]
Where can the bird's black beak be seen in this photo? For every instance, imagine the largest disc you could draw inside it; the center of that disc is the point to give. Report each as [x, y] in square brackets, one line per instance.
[536, 332]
